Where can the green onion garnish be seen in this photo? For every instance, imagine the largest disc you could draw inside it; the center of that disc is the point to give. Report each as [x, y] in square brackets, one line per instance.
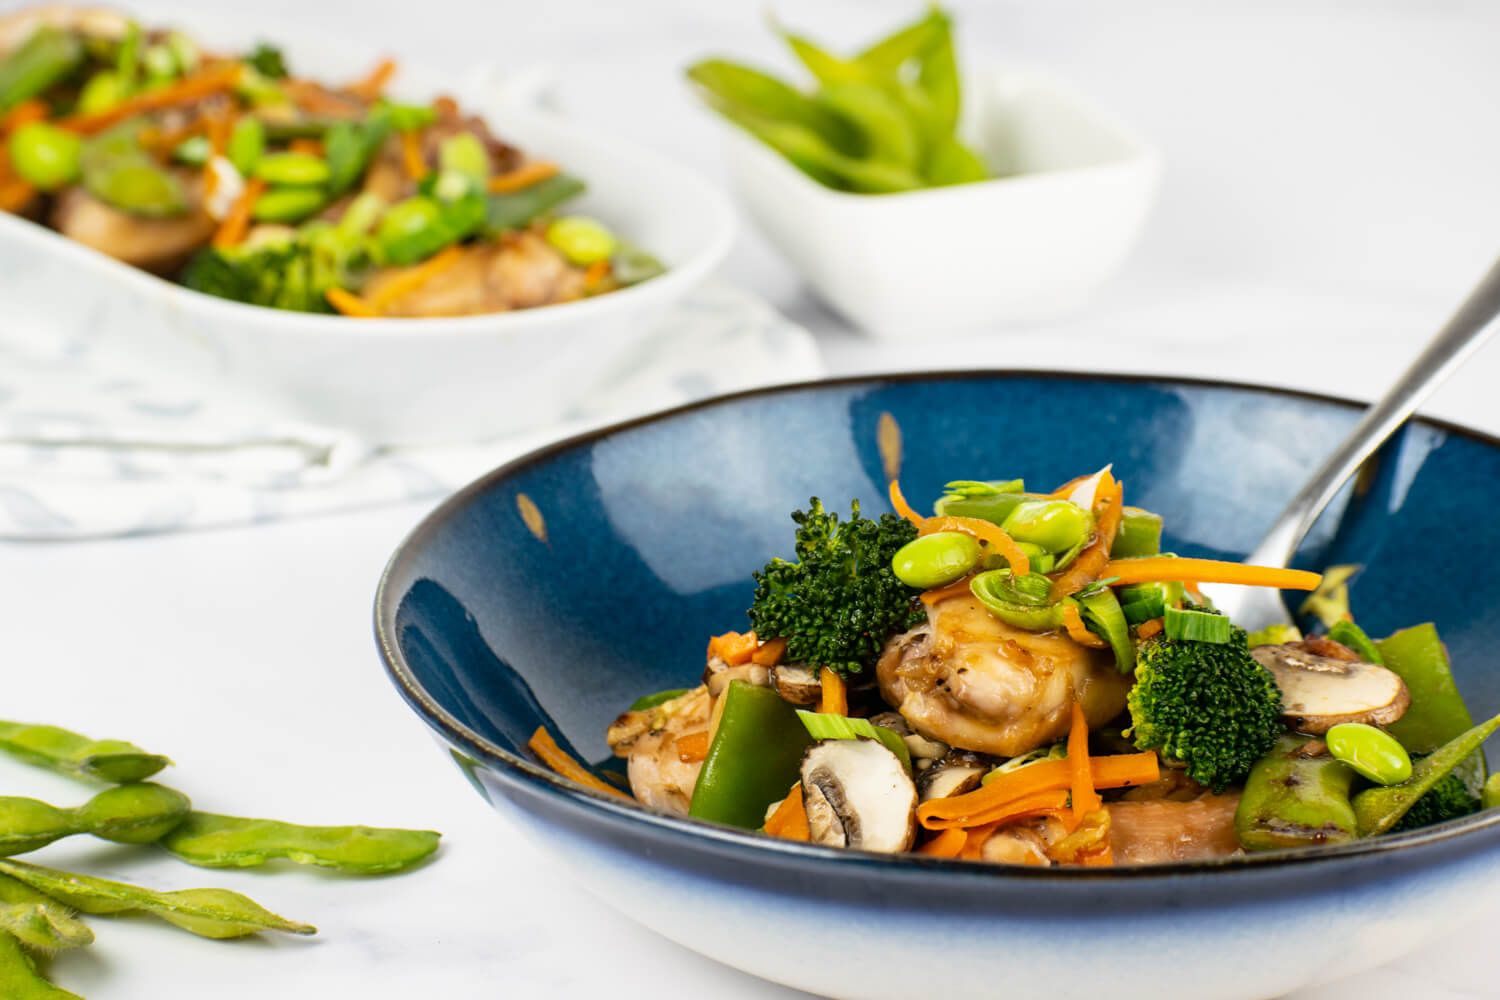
[659, 698]
[823, 726]
[1197, 626]
[1354, 637]
[1102, 614]
[976, 488]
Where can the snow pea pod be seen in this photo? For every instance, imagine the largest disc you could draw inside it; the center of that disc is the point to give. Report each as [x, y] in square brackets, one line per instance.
[58, 749]
[125, 814]
[45, 58]
[19, 978]
[1295, 800]
[1379, 809]
[213, 841]
[1437, 713]
[756, 755]
[212, 913]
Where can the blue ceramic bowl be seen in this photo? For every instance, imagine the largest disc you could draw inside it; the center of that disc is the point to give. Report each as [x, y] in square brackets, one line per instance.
[560, 587]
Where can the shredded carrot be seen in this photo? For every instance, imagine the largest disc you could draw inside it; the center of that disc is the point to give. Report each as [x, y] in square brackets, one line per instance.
[349, 304]
[900, 506]
[790, 818]
[1197, 592]
[974, 840]
[219, 128]
[1085, 799]
[312, 147]
[313, 99]
[373, 85]
[693, 747]
[15, 194]
[1077, 630]
[835, 699]
[1109, 508]
[24, 113]
[946, 844]
[185, 91]
[237, 223]
[770, 653]
[734, 648]
[544, 746]
[595, 274]
[1147, 629]
[522, 177]
[993, 801]
[939, 594]
[1153, 569]
[411, 155]
[413, 278]
[1048, 803]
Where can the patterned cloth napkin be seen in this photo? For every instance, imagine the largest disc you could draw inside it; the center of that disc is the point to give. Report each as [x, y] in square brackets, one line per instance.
[90, 447]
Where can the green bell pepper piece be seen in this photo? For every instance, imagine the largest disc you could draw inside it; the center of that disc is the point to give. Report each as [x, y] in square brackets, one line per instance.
[45, 58]
[755, 757]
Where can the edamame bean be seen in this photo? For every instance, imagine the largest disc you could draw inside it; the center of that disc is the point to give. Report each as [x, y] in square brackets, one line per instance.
[19, 979]
[936, 560]
[1055, 525]
[117, 171]
[1372, 752]
[44, 926]
[58, 749]
[465, 154]
[295, 169]
[247, 142]
[1381, 808]
[580, 239]
[103, 91]
[125, 814]
[44, 155]
[213, 841]
[288, 204]
[212, 913]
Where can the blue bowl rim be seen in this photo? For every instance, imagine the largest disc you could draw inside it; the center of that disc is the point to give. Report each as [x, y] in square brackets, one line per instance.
[516, 769]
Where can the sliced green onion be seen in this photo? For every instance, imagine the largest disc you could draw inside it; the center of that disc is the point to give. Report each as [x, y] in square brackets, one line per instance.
[1354, 637]
[1330, 602]
[1104, 617]
[194, 151]
[1054, 752]
[1139, 534]
[992, 507]
[659, 698]
[1023, 606]
[1197, 626]
[1143, 610]
[825, 726]
[978, 488]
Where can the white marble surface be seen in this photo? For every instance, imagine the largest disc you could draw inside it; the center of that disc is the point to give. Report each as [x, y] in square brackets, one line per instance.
[1330, 191]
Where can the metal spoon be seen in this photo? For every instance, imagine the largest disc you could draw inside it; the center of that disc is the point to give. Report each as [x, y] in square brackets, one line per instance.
[1464, 333]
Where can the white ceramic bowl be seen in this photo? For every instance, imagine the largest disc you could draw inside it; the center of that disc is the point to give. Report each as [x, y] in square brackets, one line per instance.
[397, 381]
[1030, 245]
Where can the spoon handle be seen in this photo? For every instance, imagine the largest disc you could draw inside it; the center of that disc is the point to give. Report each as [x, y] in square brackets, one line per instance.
[1463, 334]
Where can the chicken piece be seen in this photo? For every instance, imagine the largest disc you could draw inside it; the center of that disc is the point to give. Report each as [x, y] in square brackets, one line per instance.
[976, 683]
[1024, 843]
[659, 777]
[1164, 830]
[519, 272]
[154, 244]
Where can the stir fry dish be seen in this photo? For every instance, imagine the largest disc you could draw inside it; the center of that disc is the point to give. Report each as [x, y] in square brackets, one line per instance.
[879, 122]
[237, 178]
[1025, 678]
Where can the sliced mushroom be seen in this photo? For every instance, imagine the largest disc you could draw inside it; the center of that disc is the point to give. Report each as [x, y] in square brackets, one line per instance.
[954, 774]
[717, 675]
[923, 751]
[858, 794]
[1319, 692]
[796, 683]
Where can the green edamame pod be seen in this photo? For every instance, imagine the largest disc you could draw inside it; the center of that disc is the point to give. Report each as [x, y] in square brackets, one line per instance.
[950, 161]
[1380, 808]
[888, 132]
[19, 979]
[45, 58]
[125, 814]
[889, 54]
[938, 73]
[58, 749]
[1294, 800]
[212, 913]
[737, 91]
[826, 67]
[212, 841]
[44, 926]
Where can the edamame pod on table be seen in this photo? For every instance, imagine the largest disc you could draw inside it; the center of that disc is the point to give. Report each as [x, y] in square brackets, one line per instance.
[19, 978]
[60, 750]
[737, 90]
[213, 841]
[125, 814]
[45, 926]
[219, 914]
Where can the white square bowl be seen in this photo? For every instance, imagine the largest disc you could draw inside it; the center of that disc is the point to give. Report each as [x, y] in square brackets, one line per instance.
[1030, 245]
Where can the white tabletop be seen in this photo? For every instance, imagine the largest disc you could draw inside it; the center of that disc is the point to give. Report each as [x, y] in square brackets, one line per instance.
[1330, 192]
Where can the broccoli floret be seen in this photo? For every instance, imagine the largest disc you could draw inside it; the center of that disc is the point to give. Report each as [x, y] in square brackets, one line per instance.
[293, 273]
[268, 61]
[1449, 799]
[839, 603]
[1208, 705]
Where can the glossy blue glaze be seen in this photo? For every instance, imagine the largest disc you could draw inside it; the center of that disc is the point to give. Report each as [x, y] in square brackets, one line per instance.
[491, 626]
